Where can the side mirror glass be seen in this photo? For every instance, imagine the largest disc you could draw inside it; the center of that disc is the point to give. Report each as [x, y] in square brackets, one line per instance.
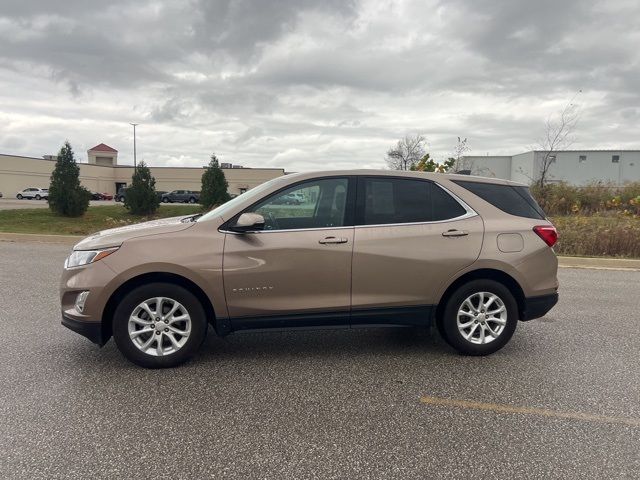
[248, 222]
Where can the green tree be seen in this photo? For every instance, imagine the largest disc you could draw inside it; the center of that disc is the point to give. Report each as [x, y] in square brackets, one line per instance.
[66, 196]
[214, 185]
[428, 164]
[141, 197]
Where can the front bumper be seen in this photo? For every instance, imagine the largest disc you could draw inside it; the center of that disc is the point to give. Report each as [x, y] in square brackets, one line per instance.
[91, 330]
[536, 307]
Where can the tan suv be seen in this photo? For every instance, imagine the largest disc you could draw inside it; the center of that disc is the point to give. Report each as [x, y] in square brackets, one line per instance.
[362, 247]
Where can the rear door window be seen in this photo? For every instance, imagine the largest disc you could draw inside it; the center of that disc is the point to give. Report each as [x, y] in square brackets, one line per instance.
[388, 200]
[512, 199]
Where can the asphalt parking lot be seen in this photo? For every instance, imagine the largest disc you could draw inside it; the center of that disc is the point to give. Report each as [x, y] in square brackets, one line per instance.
[15, 204]
[562, 400]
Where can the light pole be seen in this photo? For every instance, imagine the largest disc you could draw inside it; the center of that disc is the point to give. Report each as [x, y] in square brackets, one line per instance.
[134, 144]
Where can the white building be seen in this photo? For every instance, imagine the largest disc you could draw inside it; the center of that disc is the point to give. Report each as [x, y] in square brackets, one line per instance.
[577, 167]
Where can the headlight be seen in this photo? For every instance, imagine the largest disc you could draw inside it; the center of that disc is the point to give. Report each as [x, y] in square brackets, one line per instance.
[85, 257]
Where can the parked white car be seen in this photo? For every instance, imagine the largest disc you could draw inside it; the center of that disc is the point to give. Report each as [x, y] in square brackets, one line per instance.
[30, 193]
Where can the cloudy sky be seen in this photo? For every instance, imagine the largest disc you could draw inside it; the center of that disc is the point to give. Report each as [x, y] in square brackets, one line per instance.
[313, 84]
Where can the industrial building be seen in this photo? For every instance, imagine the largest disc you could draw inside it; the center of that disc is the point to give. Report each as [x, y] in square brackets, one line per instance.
[577, 167]
[102, 173]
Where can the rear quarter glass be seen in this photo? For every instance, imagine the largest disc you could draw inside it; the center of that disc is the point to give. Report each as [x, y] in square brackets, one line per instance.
[512, 199]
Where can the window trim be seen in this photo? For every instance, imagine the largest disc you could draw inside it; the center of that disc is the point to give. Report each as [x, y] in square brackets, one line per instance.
[469, 212]
[350, 204]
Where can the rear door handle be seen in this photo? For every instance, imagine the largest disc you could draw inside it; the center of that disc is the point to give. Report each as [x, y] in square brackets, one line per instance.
[455, 233]
[332, 240]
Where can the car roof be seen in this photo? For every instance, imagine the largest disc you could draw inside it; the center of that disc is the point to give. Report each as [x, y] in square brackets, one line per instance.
[404, 173]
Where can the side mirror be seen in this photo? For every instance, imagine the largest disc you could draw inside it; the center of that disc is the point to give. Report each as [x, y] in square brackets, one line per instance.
[248, 222]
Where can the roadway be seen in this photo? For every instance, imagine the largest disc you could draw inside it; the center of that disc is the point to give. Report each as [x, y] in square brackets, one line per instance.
[561, 400]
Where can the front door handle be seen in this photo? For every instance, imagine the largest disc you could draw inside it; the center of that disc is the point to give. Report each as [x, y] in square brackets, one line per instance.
[455, 233]
[332, 240]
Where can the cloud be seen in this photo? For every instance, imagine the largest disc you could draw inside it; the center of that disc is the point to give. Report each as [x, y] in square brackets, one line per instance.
[311, 84]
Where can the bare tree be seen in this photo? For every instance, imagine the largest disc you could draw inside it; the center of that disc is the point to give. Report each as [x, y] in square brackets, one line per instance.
[461, 163]
[558, 135]
[407, 152]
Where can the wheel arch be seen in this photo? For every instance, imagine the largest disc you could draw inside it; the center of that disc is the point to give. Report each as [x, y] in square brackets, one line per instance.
[151, 277]
[483, 274]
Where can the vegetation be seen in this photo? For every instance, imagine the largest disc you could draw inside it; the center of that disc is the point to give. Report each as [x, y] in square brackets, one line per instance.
[427, 164]
[596, 220]
[407, 152]
[66, 196]
[596, 198]
[214, 185]
[598, 236]
[141, 197]
[43, 221]
[558, 135]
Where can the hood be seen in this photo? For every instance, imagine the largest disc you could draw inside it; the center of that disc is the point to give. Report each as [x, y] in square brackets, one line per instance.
[114, 237]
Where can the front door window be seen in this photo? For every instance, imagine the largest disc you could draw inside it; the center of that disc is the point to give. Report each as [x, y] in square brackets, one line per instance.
[313, 204]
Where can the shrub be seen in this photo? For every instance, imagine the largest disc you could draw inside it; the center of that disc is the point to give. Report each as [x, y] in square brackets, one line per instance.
[141, 197]
[595, 236]
[594, 198]
[214, 185]
[66, 196]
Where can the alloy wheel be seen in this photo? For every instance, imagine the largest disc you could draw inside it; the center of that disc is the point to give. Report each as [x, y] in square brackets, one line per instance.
[481, 318]
[159, 326]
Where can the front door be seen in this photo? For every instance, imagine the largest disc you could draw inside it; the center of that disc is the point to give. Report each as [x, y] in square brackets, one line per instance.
[411, 236]
[297, 271]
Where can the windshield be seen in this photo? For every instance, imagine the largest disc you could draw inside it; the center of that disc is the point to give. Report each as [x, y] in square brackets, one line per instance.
[253, 194]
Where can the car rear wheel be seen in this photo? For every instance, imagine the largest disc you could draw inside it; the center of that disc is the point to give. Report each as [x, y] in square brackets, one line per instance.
[479, 318]
[159, 325]
[38, 197]
[192, 200]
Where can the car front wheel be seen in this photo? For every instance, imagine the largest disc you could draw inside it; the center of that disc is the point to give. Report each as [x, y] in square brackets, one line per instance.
[479, 318]
[19, 197]
[159, 325]
[165, 200]
[38, 197]
[192, 200]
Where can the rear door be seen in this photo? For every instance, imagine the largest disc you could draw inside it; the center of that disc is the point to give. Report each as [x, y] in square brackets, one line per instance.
[411, 236]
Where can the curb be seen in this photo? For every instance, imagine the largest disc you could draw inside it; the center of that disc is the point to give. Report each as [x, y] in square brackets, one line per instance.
[38, 238]
[563, 262]
[599, 263]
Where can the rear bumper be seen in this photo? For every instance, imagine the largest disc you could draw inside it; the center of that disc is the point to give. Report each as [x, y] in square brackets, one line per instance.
[536, 307]
[91, 330]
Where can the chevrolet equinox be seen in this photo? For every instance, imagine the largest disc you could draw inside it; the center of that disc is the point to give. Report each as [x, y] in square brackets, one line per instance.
[361, 248]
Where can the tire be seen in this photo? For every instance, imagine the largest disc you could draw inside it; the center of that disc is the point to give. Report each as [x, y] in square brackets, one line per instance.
[19, 197]
[192, 200]
[38, 197]
[131, 348]
[475, 339]
[165, 200]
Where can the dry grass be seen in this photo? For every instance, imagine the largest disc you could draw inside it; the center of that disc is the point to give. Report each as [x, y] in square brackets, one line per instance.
[43, 220]
[595, 198]
[598, 236]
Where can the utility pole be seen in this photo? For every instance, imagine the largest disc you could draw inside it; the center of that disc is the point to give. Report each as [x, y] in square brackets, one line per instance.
[134, 144]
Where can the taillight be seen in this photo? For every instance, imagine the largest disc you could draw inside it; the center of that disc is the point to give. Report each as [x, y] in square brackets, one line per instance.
[548, 233]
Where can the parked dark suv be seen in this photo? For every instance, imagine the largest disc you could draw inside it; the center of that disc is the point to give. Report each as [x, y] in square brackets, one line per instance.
[181, 196]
